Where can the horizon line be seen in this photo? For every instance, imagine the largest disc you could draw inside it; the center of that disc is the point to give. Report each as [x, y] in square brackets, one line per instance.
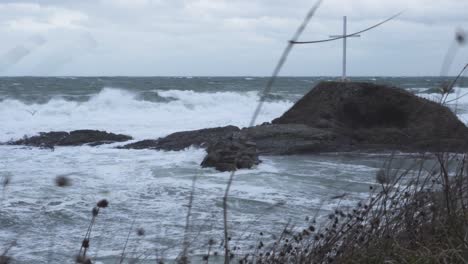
[223, 76]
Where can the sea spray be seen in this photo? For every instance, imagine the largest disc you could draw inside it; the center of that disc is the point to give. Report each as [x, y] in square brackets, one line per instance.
[121, 111]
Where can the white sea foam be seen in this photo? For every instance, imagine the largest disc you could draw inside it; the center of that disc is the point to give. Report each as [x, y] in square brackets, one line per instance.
[457, 101]
[153, 186]
[121, 111]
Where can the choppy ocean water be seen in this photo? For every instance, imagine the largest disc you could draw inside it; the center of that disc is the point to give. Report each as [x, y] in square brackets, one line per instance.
[152, 188]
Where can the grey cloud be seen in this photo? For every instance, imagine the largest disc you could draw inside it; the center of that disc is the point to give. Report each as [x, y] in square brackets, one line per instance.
[233, 37]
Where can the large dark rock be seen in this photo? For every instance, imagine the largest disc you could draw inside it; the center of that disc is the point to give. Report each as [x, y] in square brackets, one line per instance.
[182, 140]
[270, 139]
[333, 116]
[379, 117]
[287, 139]
[231, 153]
[342, 116]
[73, 138]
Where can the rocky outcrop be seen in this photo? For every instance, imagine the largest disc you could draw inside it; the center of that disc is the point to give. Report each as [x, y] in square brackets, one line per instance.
[181, 140]
[270, 139]
[231, 154]
[287, 139]
[333, 116]
[379, 117]
[73, 138]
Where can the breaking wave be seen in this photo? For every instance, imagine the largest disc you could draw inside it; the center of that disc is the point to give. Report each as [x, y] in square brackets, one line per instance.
[122, 111]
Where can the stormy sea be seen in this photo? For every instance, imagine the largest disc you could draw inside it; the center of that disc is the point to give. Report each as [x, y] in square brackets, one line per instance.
[150, 190]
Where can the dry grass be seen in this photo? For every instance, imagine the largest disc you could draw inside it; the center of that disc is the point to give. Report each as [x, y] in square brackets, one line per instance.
[415, 215]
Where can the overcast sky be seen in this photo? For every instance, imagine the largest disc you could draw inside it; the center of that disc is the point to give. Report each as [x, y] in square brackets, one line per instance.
[224, 37]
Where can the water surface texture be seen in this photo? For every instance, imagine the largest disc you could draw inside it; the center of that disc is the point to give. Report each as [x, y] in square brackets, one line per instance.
[152, 188]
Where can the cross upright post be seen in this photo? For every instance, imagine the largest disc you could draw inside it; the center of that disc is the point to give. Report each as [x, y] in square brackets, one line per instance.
[344, 36]
[345, 25]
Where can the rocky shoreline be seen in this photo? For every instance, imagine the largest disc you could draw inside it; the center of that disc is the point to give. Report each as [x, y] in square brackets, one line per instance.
[72, 138]
[333, 116]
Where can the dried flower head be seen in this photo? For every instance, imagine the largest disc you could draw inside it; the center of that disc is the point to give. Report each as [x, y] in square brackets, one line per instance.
[6, 180]
[62, 181]
[383, 177]
[95, 211]
[103, 203]
[85, 243]
[211, 241]
[460, 36]
[140, 231]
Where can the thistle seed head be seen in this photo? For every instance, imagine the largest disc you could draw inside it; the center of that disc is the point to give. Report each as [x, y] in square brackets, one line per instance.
[6, 180]
[460, 37]
[62, 181]
[383, 177]
[85, 243]
[103, 203]
[140, 231]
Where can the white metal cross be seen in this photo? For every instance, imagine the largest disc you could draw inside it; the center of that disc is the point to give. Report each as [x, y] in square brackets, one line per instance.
[344, 45]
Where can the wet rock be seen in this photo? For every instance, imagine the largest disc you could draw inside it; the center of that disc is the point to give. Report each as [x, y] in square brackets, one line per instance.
[73, 138]
[337, 116]
[231, 154]
[379, 117]
[288, 139]
[182, 140]
[333, 116]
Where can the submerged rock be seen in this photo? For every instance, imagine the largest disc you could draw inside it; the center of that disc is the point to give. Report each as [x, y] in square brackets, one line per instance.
[231, 154]
[73, 138]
